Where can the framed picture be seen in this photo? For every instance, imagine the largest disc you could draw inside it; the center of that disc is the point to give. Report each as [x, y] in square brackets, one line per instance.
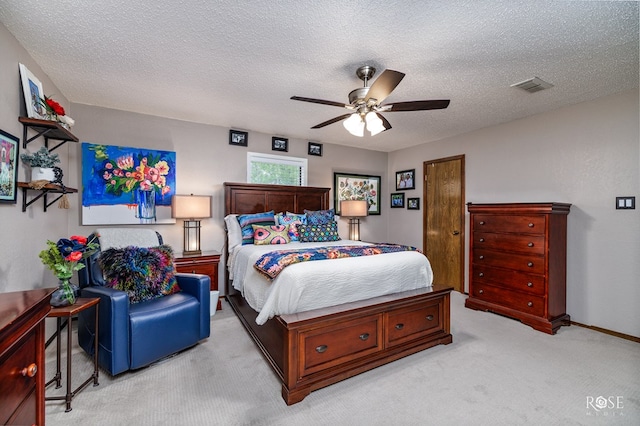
[397, 200]
[32, 89]
[9, 146]
[413, 203]
[406, 179]
[236, 137]
[279, 144]
[348, 186]
[315, 149]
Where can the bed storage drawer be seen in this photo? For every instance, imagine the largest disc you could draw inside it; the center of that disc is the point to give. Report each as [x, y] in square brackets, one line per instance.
[403, 325]
[328, 346]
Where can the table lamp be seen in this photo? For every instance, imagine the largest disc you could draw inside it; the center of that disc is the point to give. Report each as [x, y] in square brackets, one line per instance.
[191, 208]
[354, 210]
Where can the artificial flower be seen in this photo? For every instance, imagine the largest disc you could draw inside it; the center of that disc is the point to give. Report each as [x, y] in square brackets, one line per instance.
[62, 257]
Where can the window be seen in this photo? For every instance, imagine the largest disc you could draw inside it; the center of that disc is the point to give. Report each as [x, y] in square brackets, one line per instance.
[276, 169]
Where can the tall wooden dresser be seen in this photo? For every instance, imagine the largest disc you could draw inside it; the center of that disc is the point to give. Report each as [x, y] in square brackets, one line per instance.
[22, 316]
[517, 262]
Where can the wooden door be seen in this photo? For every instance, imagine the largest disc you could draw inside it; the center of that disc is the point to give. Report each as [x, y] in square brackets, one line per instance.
[443, 220]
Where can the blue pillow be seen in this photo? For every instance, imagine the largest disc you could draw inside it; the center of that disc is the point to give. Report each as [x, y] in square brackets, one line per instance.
[320, 217]
[319, 233]
[246, 220]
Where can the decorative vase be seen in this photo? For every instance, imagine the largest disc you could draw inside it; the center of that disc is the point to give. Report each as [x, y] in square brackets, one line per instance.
[42, 173]
[146, 201]
[65, 295]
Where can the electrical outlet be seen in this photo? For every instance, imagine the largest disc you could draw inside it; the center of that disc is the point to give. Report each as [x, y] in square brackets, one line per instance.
[625, 203]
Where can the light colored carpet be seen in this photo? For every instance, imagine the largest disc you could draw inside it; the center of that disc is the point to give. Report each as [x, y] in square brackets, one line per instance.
[497, 371]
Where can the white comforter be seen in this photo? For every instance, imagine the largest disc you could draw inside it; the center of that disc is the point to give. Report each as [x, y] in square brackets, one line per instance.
[321, 283]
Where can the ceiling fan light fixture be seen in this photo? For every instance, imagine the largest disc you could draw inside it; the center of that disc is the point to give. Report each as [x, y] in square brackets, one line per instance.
[354, 125]
[374, 123]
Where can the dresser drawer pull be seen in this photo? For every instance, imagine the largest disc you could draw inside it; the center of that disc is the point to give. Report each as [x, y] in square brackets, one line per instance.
[530, 264]
[399, 326]
[530, 304]
[429, 317]
[193, 271]
[321, 348]
[29, 371]
[481, 256]
[482, 222]
[529, 284]
[530, 225]
[481, 291]
[481, 274]
[481, 240]
[530, 245]
[364, 336]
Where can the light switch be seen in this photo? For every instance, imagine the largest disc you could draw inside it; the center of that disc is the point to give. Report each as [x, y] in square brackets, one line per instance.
[625, 203]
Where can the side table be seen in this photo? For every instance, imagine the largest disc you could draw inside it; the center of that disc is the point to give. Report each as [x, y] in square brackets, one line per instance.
[205, 263]
[69, 312]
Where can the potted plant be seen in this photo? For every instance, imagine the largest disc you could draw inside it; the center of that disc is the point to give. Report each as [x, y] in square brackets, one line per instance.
[42, 163]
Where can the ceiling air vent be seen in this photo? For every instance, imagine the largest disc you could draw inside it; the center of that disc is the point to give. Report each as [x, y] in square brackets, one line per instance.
[533, 85]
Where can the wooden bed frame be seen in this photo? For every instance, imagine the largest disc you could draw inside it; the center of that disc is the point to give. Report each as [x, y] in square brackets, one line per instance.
[314, 349]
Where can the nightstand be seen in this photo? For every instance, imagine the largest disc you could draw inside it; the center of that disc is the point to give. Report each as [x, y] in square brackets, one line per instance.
[205, 264]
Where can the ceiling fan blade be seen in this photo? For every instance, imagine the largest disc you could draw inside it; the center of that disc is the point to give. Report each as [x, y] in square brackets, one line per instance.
[319, 101]
[417, 105]
[384, 85]
[385, 122]
[333, 120]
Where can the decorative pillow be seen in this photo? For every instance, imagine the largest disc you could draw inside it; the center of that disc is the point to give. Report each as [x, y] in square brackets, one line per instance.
[319, 217]
[293, 220]
[246, 220]
[143, 273]
[271, 234]
[234, 232]
[319, 233]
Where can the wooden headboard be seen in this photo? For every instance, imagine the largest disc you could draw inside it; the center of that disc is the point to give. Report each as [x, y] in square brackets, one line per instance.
[246, 198]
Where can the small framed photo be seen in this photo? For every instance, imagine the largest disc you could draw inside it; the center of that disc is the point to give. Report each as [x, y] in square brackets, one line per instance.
[413, 203]
[236, 137]
[406, 179]
[279, 144]
[397, 200]
[9, 146]
[33, 93]
[315, 149]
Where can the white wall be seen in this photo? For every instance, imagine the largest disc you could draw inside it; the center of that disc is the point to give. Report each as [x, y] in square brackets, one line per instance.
[586, 155]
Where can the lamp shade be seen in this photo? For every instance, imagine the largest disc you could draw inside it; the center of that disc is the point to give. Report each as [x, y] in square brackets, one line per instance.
[354, 125]
[191, 206]
[353, 208]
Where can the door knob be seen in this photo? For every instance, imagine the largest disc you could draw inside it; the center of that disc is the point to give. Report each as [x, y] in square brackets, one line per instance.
[456, 232]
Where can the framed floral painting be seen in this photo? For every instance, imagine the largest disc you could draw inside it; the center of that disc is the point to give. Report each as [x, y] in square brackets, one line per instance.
[9, 147]
[347, 186]
[125, 185]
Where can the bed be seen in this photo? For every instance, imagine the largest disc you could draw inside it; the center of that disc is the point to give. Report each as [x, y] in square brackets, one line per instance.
[315, 348]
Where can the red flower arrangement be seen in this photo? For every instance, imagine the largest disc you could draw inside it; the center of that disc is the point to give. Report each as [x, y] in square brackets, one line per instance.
[54, 111]
[53, 106]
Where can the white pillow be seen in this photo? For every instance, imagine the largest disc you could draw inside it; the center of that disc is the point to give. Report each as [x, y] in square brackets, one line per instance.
[234, 232]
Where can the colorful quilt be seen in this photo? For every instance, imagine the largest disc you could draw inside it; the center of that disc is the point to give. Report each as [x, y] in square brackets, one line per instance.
[272, 263]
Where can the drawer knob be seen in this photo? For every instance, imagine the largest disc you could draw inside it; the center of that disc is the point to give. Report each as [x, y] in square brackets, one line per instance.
[29, 371]
[481, 256]
[481, 291]
[193, 271]
[399, 326]
[481, 274]
[429, 317]
[530, 264]
[530, 225]
[530, 304]
[322, 348]
[364, 336]
[481, 240]
[529, 284]
[482, 222]
[530, 245]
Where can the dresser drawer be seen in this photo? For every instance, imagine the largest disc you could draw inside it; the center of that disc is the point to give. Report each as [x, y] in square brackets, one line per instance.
[349, 340]
[522, 302]
[528, 224]
[523, 243]
[196, 268]
[527, 263]
[15, 387]
[508, 278]
[410, 323]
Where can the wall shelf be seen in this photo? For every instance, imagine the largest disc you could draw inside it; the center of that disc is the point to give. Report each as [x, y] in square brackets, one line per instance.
[49, 188]
[46, 128]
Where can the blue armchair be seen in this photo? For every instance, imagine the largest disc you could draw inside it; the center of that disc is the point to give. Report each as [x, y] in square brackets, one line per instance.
[135, 335]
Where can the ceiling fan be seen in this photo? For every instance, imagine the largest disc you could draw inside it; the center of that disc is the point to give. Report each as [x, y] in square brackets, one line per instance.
[365, 103]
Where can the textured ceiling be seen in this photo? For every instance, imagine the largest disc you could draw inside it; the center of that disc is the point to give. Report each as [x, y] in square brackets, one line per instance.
[236, 63]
